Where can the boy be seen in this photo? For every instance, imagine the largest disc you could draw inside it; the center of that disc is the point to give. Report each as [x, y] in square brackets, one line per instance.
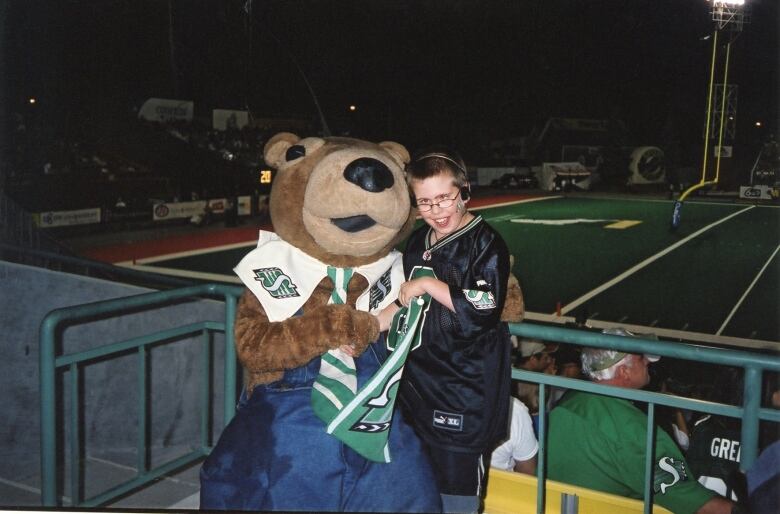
[456, 385]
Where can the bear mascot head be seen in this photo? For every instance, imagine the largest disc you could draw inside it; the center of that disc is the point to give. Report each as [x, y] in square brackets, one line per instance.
[339, 206]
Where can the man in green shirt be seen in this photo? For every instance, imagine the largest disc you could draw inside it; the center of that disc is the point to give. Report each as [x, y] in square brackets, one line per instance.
[598, 442]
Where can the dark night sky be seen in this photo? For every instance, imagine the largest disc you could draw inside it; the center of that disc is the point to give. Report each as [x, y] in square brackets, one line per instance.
[416, 69]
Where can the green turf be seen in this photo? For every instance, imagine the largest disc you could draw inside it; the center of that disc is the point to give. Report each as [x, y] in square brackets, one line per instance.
[696, 286]
[693, 287]
[560, 263]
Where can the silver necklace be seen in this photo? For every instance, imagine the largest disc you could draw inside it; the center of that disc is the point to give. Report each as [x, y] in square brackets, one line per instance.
[447, 238]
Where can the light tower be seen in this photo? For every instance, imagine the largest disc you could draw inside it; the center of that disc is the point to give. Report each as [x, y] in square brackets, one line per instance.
[728, 18]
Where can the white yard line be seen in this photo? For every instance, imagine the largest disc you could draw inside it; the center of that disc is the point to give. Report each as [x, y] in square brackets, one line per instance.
[663, 333]
[182, 273]
[189, 253]
[606, 285]
[747, 291]
[514, 202]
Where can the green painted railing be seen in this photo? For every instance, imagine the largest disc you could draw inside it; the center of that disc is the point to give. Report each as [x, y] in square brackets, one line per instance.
[750, 412]
[754, 364]
[50, 363]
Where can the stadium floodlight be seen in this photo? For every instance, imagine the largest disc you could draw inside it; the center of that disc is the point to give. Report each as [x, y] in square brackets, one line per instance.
[730, 13]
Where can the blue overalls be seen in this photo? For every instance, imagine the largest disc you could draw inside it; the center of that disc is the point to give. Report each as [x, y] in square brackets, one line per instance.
[276, 455]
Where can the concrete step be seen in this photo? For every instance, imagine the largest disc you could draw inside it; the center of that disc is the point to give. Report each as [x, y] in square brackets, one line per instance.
[20, 485]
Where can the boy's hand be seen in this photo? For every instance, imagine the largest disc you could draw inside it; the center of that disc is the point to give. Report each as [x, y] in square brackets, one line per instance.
[385, 316]
[348, 349]
[438, 290]
[412, 288]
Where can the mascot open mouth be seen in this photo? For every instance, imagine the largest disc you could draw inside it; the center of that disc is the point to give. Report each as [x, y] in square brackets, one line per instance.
[354, 223]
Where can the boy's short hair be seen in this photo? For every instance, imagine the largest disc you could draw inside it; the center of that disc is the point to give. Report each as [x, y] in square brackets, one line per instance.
[434, 161]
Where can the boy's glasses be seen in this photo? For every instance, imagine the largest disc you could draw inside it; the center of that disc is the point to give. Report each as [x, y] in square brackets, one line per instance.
[442, 204]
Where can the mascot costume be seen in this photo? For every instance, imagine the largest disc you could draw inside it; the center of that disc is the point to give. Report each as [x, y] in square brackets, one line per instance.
[310, 346]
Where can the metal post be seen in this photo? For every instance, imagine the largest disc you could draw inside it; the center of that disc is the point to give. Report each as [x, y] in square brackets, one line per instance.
[649, 458]
[142, 462]
[205, 393]
[570, 503]
[75, 437]
[48, 415]
[541, 470]
[723, 113]
[230, 358]
[751, 403]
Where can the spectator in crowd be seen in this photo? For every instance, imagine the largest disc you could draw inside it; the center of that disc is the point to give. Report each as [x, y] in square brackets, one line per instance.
[568, 360]
[672, 419]
[763, 481]
[533, 355]
[763, 477]
[714, 450]
[568, 364]
[518, 452]
[714, 455]
[598, 441]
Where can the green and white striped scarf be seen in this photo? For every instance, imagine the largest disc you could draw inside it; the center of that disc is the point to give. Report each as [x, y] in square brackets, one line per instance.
[362, 419]
[337, 381]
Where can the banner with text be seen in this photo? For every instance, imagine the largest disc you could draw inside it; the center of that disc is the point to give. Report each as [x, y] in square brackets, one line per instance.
[67, 218]
[162, 109]
[179, 210]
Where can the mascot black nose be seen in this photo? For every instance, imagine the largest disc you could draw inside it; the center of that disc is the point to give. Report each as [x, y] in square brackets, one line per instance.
[370, 174]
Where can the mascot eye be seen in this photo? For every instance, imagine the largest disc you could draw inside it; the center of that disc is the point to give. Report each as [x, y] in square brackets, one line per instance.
[295, 152]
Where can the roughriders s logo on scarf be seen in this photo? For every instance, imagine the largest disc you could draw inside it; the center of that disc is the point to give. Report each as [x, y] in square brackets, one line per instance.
[278, 284]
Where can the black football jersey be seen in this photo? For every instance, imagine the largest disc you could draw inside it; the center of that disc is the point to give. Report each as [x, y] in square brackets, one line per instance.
[456, 385]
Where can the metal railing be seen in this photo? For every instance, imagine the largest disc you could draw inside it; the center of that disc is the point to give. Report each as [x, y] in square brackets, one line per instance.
[50, 363]
[750, 411]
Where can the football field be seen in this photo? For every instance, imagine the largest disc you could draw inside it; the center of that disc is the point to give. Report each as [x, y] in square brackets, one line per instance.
[715, 279]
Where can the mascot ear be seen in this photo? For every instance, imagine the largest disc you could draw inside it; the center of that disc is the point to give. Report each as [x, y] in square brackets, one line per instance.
[397, 151]
[276, 148]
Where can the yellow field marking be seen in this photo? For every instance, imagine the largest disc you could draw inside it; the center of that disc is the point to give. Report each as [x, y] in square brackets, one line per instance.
[623, 224]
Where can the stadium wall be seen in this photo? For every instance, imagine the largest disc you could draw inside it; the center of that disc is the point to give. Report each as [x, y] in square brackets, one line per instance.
[108, 387]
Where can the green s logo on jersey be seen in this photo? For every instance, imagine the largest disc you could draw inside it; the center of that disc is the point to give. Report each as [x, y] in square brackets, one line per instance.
[481, 300]
[667, 473]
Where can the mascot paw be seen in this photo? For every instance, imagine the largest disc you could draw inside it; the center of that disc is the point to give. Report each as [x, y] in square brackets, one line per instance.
[347, 325]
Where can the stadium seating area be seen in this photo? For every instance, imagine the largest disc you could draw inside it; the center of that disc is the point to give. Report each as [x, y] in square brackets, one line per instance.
[132, 160]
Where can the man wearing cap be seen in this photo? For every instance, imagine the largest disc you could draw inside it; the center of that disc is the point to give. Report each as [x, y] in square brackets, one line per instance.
[598, 441]
[533, 355]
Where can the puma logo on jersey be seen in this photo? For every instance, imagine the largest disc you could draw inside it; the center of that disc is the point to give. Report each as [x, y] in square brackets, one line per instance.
[448, 421]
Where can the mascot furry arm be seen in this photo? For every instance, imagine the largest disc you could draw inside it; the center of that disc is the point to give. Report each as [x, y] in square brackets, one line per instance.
[267, 348]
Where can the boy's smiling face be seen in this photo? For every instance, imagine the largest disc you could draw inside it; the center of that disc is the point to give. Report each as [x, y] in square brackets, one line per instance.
[436, 189]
